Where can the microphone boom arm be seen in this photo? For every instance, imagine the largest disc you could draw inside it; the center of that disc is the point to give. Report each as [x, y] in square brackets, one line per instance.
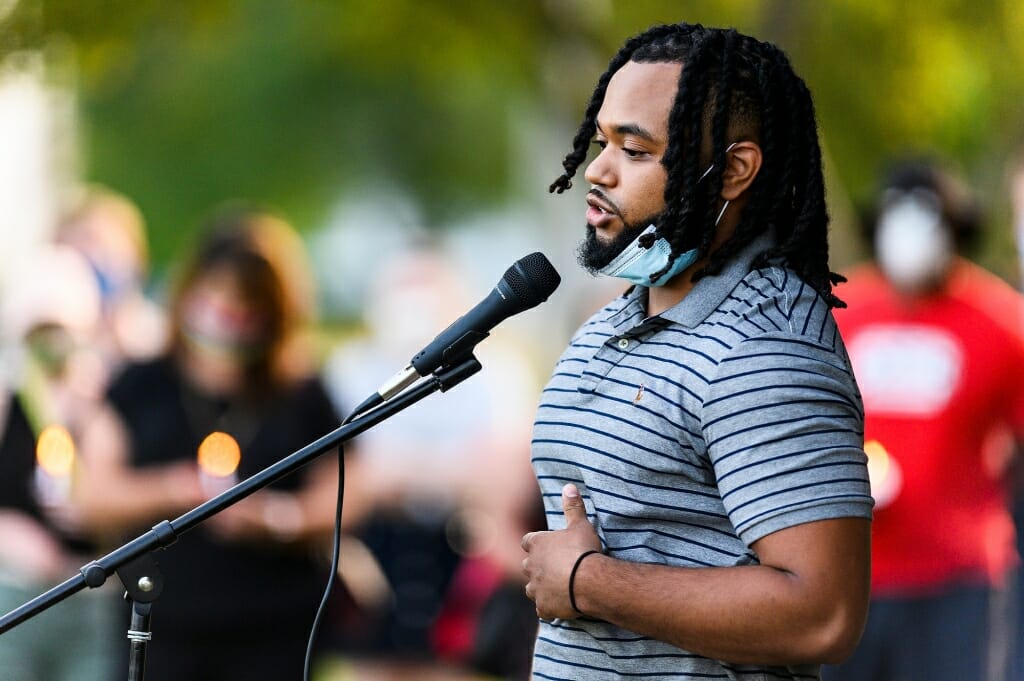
[165, 533]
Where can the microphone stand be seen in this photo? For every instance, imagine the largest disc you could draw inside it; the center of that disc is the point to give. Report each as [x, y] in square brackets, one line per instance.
[134, 563]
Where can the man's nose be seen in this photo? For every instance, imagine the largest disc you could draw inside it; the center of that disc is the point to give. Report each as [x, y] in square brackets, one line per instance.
[601, 171]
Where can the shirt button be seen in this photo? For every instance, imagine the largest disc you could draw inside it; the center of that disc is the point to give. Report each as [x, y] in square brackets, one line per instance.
[623, 343]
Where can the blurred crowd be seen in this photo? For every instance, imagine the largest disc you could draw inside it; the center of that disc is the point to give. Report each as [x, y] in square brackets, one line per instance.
[121, 408]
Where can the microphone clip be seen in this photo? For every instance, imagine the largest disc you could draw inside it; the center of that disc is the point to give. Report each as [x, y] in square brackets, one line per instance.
[455, 369]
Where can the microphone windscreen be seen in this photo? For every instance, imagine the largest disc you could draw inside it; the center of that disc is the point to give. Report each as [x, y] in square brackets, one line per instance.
[531, 279]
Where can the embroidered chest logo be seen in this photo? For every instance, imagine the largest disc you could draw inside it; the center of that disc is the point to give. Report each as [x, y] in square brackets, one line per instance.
[639, 394]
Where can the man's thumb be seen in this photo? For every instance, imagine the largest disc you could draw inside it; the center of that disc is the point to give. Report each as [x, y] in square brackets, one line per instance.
[572, 505]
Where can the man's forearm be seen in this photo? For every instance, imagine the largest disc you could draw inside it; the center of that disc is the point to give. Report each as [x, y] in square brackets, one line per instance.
[747, 615]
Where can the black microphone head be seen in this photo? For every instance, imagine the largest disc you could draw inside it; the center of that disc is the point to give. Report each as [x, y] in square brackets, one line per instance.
[529, 281]
[526, 284]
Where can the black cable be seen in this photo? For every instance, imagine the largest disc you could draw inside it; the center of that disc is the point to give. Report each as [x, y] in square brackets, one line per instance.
[373, 401]
[335, 555]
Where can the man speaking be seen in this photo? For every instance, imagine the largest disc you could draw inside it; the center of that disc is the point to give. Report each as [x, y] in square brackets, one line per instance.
[699, 446]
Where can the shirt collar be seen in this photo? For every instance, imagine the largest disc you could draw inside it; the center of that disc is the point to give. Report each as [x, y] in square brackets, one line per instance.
[708, 293]
[630, 310]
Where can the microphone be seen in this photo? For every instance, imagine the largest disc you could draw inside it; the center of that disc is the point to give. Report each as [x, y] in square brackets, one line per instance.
[526, 284]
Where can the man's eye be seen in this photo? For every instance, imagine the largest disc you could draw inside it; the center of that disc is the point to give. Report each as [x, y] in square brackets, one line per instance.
[632, 153]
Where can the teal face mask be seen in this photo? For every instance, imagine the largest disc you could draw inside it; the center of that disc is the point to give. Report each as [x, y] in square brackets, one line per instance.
[637, 264]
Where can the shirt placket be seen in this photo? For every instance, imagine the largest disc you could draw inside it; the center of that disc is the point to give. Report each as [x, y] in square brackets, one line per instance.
[625, 340]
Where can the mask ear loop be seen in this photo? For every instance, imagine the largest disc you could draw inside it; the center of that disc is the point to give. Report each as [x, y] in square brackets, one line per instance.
[710, 168]
[721, 212]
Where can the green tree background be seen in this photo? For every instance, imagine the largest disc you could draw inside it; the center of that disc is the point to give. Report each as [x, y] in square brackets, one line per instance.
[185, 104]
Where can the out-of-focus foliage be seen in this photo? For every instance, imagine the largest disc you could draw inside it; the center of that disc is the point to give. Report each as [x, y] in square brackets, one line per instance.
[187, 103]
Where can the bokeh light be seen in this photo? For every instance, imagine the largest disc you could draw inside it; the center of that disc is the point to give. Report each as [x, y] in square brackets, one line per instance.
[879, 463]
[219, 454]
[55, 451]
[884, 472]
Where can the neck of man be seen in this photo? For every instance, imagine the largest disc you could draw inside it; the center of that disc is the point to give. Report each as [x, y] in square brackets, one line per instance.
[661, 298]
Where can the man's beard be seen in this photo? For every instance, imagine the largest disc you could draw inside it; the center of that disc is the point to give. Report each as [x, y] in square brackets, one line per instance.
[594, 254]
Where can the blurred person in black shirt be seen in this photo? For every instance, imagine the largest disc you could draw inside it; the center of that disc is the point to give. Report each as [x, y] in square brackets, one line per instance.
[49, 396]
[241, 591]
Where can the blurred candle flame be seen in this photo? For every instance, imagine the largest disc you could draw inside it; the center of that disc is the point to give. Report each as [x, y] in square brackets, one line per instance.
[884, 472]
[55, 451]
[219, 455]
[878, 461]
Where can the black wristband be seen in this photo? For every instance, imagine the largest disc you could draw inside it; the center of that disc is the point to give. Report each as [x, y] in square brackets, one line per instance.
[572, 578]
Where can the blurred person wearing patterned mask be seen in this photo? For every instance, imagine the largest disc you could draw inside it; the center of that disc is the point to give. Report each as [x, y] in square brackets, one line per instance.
[49, 398]
[937, 345]
[242, 589]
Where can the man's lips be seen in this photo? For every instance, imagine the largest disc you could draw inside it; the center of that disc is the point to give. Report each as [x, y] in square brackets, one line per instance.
[599, 211]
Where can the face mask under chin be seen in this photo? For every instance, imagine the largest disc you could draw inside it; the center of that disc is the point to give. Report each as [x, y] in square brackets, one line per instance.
[593, 255]
[627, 258]
[638, 265]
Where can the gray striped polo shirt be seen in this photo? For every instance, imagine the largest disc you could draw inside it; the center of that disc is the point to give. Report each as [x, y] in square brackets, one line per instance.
[691, 435]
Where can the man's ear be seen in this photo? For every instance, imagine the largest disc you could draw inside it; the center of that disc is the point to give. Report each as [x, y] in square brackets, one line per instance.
[742, 164]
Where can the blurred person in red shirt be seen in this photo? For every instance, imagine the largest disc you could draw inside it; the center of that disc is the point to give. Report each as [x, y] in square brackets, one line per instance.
[937, 345]
[1016, 186]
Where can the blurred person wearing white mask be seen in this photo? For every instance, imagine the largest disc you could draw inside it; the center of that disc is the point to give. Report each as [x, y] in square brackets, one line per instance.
[937, 345]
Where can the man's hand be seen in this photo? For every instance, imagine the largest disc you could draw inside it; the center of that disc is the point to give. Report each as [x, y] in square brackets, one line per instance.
[551, 556]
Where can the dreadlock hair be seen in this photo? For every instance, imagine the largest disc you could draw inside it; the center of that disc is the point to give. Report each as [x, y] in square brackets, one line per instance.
[730, 82]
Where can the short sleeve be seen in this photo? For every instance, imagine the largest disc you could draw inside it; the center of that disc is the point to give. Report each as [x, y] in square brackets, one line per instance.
[784, 427]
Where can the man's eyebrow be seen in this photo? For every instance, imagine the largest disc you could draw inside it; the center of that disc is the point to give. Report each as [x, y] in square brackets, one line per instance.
[633, 129]
[636, 131]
